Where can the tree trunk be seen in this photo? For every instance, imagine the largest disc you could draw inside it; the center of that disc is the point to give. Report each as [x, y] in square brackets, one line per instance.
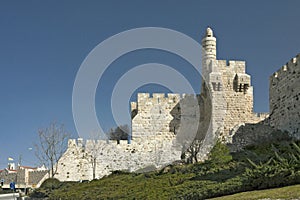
[94, 169]
[52, 169]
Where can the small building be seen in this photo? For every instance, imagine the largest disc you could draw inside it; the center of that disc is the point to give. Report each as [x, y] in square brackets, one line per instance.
[23, 176]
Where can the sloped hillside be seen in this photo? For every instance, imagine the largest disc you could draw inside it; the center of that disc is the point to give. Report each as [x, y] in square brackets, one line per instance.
[258, 167]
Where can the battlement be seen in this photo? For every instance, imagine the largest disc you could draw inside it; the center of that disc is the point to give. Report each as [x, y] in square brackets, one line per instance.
[289, 68]
[91, 144]
[72, 143]
[133, 106]
[142, 97]
[234, 65]
[145, 96]
[146, 101]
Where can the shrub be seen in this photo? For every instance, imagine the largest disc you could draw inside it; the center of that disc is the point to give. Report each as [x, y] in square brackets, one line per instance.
[220, 154]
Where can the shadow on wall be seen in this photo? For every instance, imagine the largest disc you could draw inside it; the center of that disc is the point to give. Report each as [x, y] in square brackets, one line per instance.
[189, 109]
[255, 134]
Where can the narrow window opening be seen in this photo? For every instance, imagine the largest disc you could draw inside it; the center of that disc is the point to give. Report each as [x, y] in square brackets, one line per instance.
[219, 86]
[214, 86]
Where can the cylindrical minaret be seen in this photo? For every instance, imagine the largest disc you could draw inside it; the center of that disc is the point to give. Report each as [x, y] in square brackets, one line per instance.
[209, 44]
[209, 53]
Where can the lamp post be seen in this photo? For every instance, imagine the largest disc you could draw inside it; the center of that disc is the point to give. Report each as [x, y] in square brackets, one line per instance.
[26, 177]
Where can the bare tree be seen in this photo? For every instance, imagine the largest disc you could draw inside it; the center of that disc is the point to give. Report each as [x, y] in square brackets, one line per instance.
[52, 144]
[94, 147]
[191, 154]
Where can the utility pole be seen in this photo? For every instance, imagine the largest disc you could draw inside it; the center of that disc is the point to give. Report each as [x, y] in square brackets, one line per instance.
[18, 170]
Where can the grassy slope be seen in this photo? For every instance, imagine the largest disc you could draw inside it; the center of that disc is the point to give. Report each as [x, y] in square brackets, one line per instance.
[223, 174]
[288, 192]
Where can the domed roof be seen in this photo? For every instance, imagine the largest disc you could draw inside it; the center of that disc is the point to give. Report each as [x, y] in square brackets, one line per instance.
[209, 32]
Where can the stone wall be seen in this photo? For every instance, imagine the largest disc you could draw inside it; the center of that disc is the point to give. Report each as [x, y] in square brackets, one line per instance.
[158, 139]
[251, 134]
[76, 163]
[285, 98]
[153, 115]
[36, 178]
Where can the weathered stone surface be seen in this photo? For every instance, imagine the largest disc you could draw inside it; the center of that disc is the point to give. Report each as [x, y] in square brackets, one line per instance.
[76, 163]
[285, 98]
[230, 89]
[253, 134]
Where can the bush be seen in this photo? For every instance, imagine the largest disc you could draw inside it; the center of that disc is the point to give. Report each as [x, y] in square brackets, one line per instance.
[51, 183]
[220, 154]
[46, 188]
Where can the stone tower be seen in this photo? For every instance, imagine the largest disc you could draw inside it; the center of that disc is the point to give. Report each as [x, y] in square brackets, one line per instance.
[229, 88]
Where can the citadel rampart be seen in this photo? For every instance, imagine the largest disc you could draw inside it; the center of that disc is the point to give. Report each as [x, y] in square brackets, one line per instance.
[225, 103]
[111, 155]
[285, 98]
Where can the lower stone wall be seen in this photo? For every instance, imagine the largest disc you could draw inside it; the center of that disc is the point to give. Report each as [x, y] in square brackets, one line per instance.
[253, 134]
[76, 163]
[35, 177]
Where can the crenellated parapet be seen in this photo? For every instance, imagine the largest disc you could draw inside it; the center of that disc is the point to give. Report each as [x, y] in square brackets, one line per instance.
[231, 65]
[72, 143]
[144, 97]
[286, 71]
[145, 101]
[286, 75]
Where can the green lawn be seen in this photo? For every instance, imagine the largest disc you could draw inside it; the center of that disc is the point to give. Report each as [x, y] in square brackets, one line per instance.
[289, 192]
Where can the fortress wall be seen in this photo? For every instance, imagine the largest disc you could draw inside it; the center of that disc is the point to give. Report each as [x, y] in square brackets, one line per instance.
[153, 140]
[76, 163]
[73, 165]
[285, 97]
[153, 116]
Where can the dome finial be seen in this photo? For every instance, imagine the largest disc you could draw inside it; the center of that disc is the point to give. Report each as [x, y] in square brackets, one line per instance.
[209, 32]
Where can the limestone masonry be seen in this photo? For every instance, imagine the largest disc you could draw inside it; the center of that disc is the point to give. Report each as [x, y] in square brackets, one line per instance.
[161, 123]
[230, 88]
[284, 97]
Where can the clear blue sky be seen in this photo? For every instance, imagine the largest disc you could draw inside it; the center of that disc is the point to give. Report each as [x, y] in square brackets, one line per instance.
[43, 43]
